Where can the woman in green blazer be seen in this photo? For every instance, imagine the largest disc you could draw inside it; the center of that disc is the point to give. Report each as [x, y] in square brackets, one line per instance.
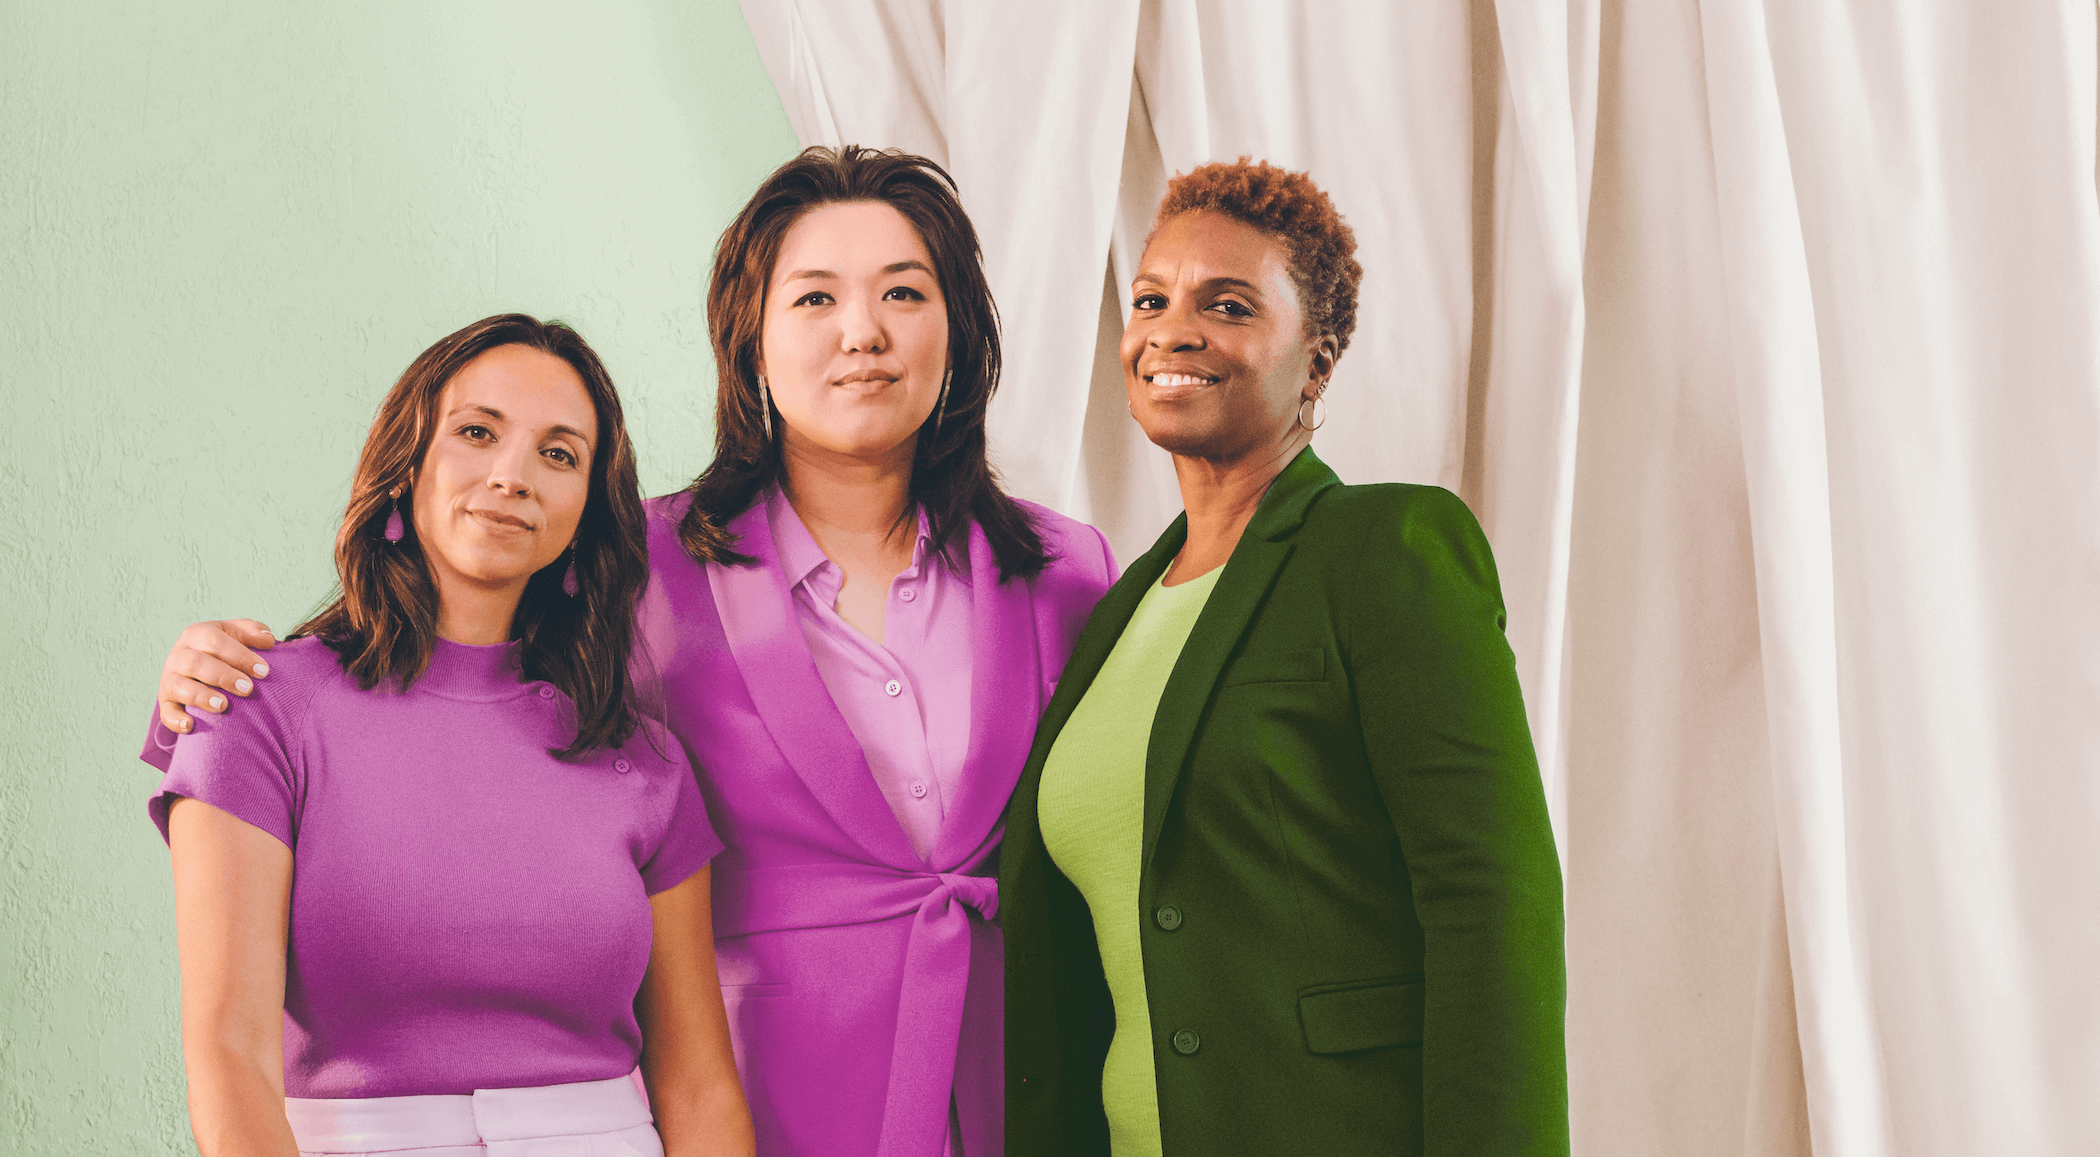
[1278, 876]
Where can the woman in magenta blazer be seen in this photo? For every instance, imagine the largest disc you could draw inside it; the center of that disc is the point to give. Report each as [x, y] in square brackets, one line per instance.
[852, 630]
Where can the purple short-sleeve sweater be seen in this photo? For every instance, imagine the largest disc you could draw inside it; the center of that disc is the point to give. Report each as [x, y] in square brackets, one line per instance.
[468, 912]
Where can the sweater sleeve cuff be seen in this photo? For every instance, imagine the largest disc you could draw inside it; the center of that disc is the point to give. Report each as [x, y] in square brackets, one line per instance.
[160, 742]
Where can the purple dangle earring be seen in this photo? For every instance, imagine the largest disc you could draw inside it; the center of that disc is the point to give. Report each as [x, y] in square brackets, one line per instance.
[394, 529]
[569, 585]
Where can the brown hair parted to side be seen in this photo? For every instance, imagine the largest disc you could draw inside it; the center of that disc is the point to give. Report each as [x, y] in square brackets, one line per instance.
[382, 622]
[1318, 244]
[952, 479]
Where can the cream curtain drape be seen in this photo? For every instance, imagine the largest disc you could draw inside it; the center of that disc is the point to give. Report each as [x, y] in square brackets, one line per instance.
[1764, 337]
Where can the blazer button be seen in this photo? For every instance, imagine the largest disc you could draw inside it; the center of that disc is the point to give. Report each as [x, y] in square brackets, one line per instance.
[1186, 1043]
[1167, 917]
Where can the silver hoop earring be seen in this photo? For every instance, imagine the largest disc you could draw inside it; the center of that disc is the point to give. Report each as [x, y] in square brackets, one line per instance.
[941, 407]
[1319, 418]
[765, 407]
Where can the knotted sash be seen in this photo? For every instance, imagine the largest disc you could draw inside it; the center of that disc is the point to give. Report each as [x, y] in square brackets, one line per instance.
[936, 966]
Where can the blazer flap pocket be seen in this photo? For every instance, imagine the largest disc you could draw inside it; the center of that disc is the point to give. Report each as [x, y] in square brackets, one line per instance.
[1372, 1016]
[1288, 667]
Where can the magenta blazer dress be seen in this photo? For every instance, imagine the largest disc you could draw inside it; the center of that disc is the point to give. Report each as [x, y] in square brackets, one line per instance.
[863, 983]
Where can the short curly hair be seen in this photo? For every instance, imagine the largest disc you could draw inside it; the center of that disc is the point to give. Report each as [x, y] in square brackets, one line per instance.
[1319, 246]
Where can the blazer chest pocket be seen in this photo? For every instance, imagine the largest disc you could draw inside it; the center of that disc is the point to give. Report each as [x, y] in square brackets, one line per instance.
[1288, 667]
[1355, 1018]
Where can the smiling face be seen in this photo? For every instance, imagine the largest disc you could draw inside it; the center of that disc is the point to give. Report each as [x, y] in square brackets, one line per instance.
[507, 472]
[1215, 355]
[855, 334]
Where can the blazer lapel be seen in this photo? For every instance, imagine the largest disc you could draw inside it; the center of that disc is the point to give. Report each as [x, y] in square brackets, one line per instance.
[1024, 837]
[765, 637]
[1005, 695]
[1103, 628]
[1249, 573]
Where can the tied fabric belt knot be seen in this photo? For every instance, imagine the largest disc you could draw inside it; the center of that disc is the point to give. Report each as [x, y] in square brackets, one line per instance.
[936, 966]
[981, 893]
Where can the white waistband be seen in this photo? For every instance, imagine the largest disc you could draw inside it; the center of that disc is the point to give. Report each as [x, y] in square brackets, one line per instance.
[376, 1124]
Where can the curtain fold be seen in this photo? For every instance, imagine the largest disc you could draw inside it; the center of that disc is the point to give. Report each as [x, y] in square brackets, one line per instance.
[1764, 337]
[1939, 167]
[1771, 356]
[1040, 179]
[1681, 1022]
[1520, 474]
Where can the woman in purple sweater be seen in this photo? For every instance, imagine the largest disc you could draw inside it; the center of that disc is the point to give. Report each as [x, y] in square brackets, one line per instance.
[853, 631]
[438, 889]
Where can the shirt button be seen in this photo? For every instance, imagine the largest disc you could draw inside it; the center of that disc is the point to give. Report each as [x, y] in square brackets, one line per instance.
[893, 688]
[1186, 1043]
[1168, 917]
[918, 791]
[622, 766]
[546, 692]
[908, 594]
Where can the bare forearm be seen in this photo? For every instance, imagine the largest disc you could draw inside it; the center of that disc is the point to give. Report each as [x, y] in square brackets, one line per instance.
[236, 1110]
[701, 1115]
[233, 885]
[687, 1061]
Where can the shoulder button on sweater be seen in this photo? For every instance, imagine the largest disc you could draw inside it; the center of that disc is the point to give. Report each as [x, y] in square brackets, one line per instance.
[1167, 917]
[1186, 1042]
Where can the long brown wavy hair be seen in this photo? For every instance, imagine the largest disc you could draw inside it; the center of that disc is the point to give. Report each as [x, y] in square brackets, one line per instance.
[952, 479]
[382, 620]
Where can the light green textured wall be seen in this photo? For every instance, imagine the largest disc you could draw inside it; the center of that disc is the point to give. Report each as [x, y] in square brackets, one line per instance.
[224, 229]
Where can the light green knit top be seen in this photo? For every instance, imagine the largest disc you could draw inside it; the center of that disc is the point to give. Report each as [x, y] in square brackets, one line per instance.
[1092, 808]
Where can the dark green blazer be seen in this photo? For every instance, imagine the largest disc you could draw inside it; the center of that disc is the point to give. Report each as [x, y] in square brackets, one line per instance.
[1350, 898]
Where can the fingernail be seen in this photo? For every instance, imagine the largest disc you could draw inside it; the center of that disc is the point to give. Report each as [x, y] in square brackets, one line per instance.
[182, 724]
[268, 631]
[243, 686]
[218, 703]
[261, 669]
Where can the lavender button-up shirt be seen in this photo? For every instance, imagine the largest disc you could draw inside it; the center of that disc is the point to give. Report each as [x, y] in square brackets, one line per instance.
[907, 697]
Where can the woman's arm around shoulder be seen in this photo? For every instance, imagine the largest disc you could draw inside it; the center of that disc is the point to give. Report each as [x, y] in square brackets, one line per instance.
[1444, 728]
[246, 761]
[687, 1062]
[210, 662]
[233, 887]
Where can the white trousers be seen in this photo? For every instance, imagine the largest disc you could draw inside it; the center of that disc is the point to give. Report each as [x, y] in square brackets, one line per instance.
[587, 1119]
